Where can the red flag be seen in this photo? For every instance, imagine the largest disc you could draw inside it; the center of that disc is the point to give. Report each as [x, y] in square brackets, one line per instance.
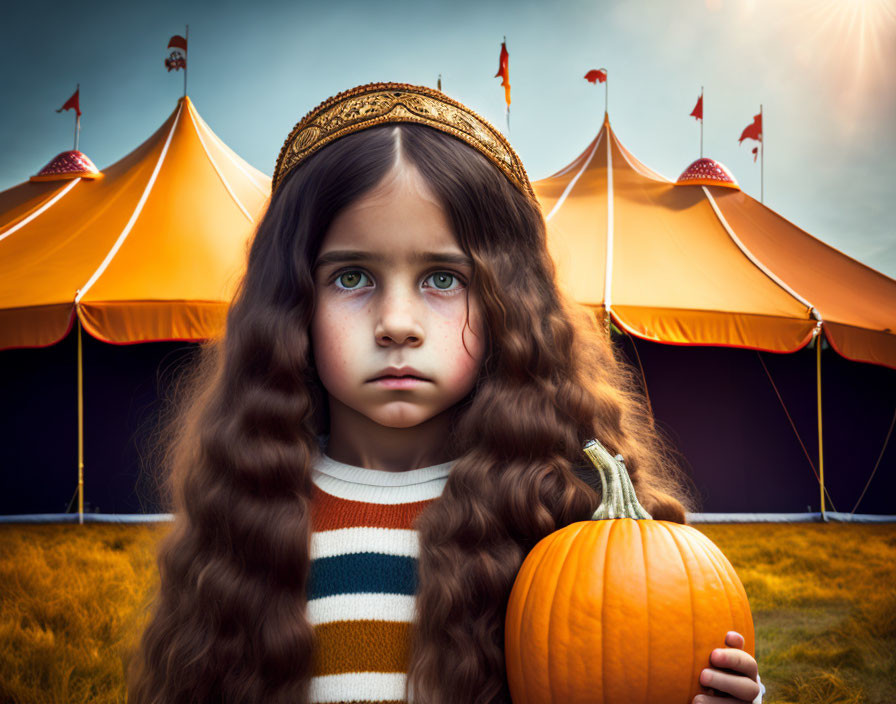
[72, 103]
[752, 131]
[698, 108]
[504, 71]
[755, 153]
[178, 58]
[596, 74]
[175, 62]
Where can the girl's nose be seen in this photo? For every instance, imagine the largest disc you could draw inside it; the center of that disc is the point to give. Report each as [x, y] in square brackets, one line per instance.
[398, 322]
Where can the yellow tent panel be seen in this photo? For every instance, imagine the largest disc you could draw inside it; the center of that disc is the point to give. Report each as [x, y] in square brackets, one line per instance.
[152, 251]
[705, 264]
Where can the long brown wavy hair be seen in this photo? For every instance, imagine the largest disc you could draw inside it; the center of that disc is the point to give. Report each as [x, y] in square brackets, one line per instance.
[227, 621]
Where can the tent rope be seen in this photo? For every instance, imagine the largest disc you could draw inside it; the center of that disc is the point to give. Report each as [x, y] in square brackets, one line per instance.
[876, 464]
[71, 501]
[793, 425]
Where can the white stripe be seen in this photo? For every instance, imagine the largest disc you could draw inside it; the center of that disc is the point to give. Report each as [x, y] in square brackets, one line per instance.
[134, 215]
[765, 270]
[391, 495]
[342, 541]
[227, 151]
[379, 477]
[217, 170]
[572, 183]
[608, 278]
[355, 686]
[37, 212]
[361, 607]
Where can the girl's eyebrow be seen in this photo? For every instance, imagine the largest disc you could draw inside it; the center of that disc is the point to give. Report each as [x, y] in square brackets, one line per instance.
[341, 256]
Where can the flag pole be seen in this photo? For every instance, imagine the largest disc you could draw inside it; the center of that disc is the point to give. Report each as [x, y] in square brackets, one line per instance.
[507, 110]
[77, 118]
[702, 109]
[761, 157]
[187, 39]
[607, 93]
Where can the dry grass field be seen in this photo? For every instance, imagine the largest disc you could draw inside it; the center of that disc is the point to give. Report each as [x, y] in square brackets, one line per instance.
[823, 598]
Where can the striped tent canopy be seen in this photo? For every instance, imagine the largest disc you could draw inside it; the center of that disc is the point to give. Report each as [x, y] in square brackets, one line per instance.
[691, 263]
[151, 251]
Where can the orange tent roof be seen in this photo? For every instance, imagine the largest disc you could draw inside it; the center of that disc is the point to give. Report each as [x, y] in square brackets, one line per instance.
[704, 264]
[151, 251]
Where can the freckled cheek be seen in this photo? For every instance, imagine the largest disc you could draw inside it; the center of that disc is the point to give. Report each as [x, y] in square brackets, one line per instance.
[460, 348]
[335, 347]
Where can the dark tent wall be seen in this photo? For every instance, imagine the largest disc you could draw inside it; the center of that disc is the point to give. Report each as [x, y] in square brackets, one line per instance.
[719, 407]
[716, 404]
[123, 388]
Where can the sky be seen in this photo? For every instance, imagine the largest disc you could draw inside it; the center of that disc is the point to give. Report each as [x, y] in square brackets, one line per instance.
[821, 69]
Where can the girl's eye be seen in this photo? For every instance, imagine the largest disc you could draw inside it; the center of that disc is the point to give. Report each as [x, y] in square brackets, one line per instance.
[443, 279]
[350, 279]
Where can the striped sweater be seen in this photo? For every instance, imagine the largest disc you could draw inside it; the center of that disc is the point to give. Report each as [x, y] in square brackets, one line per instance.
[363, 577]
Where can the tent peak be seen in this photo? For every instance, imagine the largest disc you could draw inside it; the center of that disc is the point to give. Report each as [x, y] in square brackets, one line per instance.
[707, 172]
[66, 166]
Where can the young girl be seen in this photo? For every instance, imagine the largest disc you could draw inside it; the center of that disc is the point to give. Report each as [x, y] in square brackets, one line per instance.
[393, 418]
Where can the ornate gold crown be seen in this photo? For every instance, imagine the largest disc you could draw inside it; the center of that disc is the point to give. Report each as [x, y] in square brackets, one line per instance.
[376, 103]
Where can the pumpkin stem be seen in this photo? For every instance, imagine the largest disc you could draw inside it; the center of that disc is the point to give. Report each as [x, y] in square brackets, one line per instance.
[619, 499]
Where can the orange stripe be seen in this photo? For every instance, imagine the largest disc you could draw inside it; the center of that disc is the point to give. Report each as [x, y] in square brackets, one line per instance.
[361, 646]
[330, 512]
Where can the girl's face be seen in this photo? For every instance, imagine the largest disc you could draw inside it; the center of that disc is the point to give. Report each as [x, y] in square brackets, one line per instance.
[391, 291]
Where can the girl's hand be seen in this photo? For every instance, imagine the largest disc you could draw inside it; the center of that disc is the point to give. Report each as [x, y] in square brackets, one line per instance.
[734, 674]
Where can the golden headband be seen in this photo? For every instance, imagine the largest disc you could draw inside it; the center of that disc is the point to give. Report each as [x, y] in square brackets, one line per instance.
[377, 103]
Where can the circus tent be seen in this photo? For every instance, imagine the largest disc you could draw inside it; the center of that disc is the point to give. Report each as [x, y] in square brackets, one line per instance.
[691, 263]
[150, 249]
[697, 263]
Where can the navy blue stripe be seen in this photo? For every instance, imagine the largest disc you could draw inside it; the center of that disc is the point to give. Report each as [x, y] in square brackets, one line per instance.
[362, 573]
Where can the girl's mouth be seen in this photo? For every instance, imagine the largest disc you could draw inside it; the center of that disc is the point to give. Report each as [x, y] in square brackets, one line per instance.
[399, 382]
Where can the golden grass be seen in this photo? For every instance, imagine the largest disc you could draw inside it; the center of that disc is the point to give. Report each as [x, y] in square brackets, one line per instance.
[824, 607]
[69, 608]
[822, 596]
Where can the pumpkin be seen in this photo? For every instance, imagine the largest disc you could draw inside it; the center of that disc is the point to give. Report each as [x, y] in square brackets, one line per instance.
[620, 609]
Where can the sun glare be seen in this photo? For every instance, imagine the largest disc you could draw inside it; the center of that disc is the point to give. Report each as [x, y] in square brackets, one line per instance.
[853, 45]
